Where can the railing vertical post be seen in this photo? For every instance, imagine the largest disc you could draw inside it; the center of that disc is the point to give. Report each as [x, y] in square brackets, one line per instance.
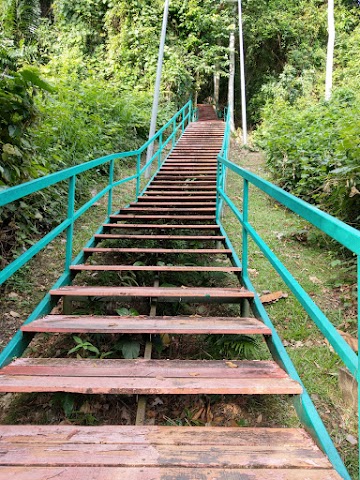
[174, 134]
[111, 181]
[160, 149]
[244, 229]
[138, 166]
[218, 186]
[70, 216]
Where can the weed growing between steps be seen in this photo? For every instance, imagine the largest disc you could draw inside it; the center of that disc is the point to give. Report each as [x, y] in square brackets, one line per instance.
[326, 274]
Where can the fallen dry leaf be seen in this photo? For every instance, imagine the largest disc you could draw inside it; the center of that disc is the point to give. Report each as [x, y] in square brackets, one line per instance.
[231, 364]
[273, 297]
[198, 414]
[194, 374]
[352, 341]
[14, 314]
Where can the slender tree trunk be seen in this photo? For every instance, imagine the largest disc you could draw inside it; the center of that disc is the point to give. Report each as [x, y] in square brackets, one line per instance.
[216, 88]
[330, 50]
[232, 80]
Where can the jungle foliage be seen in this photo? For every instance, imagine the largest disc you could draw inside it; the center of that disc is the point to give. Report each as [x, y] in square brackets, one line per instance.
[312, 145]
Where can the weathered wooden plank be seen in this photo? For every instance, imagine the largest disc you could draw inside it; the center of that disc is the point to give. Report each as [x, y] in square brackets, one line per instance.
[162, 226]
[151, 268]
[163, 455]
[192, 292]
[189, 185]
[146, 324]
[183, 198]
[192, 210]
[103, 236]
[154, 473]
[197, 251]
[150, 377]
[148, 386]
[146, 368]
[123, 434]
[124, 216]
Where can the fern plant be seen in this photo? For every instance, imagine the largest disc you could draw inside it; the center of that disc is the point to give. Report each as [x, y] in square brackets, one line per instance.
[233, 346]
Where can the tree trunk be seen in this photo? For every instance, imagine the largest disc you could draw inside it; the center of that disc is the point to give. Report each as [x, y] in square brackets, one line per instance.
[232, 80]
[216, 88]
[330, 50]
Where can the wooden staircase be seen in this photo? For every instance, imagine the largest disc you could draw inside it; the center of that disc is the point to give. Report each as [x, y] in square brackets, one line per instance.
[178, 205]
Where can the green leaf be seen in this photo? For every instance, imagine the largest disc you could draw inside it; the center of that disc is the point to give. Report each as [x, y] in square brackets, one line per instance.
[68, 405]
[32, 77]
[130, 349]
[122, 311]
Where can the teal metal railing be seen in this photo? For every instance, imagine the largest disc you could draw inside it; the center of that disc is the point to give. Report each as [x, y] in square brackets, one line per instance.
[337, 230]
[164, 143]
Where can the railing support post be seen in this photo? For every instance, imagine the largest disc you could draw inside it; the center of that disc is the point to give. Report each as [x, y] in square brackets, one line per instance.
[70, 228]
[160, 149]
[245, 242]
[138, 166]
[111, 181]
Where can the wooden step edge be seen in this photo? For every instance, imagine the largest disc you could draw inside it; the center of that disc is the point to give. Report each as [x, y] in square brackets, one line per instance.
[149, 377]
[124, 216]
[146, 324]
[139, 250]
[163, 226]
[151, 292]
[167, 209]
[152, 268]
[200, 238]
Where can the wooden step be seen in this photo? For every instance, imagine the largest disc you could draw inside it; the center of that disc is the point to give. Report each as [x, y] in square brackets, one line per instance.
[113, 236]
[191, 294]
[154, 226]
[148, 377]
[169, 251]
[145, 208]
[152, 268]
[142, 201]
[180, 182]
[184, 185]
[69, 452]
[190, 194]
[124, 216]
[145, 324]
[184, 197]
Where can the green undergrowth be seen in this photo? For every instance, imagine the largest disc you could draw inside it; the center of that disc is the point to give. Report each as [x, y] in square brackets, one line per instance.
[326, 273]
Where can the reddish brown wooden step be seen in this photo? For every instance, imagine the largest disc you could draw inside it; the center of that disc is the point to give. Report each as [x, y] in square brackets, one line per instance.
[111, 236]
[152, 268]
[148, 377]
[194, 294]
[68, 452]
[145, 324]
[196, 251]
[157, 473]
[157, 226]
[143, 201]
[188, 185]
[185, 197]
[196, 194]
[192, 210]
[124, 216]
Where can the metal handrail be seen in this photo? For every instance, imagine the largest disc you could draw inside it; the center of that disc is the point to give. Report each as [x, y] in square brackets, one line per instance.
[178, 122]
[346, 235]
